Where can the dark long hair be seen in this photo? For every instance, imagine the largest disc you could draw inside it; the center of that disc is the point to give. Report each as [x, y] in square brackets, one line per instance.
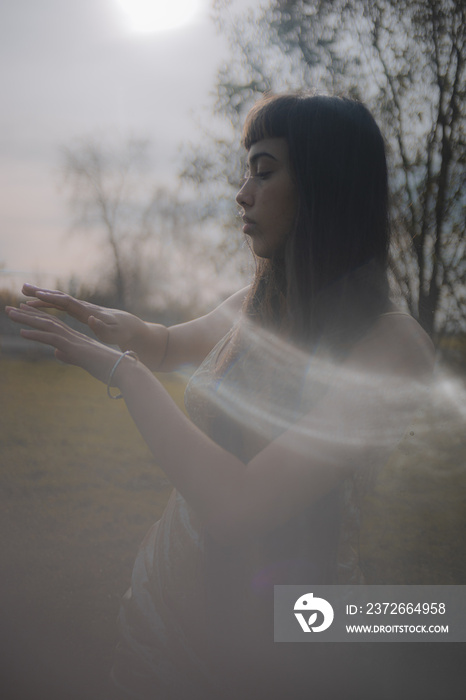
[329, 283]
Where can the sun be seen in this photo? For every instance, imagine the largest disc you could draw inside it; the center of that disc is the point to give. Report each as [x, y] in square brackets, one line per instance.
[151, 16]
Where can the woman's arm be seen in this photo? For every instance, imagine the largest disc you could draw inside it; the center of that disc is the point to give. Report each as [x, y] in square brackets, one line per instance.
[191, 342]
[361, 417]
[360, 420]
[160, 348]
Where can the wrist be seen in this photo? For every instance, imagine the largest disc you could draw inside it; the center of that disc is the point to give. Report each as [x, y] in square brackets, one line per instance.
[130, 331]
[164, 338]
[152, 346]
[116, 371]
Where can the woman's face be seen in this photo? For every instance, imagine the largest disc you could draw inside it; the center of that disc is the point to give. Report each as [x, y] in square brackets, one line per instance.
[268, 196]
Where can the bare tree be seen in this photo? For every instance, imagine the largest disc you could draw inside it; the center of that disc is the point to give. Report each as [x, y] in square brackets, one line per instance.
[112, 197]
[407, 60]
[157, 251]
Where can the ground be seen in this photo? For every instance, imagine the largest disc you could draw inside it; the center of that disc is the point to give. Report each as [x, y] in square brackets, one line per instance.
[79, 489]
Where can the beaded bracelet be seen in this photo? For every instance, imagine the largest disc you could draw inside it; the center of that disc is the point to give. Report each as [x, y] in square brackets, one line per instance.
[128, 353]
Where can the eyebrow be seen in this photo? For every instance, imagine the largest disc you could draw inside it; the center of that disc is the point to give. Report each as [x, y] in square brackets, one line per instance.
[255, 157]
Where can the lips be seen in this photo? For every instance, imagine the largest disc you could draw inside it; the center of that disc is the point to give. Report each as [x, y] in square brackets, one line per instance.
[248, 224]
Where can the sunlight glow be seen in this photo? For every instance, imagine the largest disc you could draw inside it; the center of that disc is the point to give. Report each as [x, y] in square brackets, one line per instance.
[152, 16]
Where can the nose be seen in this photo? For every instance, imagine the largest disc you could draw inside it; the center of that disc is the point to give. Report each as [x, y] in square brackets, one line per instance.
[244, 197]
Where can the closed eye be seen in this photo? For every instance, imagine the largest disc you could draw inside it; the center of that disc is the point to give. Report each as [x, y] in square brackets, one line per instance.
[263, 175]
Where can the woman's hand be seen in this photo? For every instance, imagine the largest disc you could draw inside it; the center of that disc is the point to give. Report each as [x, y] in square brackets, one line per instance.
[109, 325]
[71, 347]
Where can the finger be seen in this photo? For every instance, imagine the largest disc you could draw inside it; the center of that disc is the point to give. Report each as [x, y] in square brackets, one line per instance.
[58, 300]
[29, 308]
[104, 331]
[44, 322]
[48, 330]
[80, 310]
[43, 337]
[16, 314]
[37, 303]
[107, 316]
[28, 316]
[59, 343]
[38, 319]
[34, 311]
[30, 290]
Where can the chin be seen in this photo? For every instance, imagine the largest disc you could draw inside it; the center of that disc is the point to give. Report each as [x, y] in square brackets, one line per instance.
[262, 255]
[267, 253]
[261, 251]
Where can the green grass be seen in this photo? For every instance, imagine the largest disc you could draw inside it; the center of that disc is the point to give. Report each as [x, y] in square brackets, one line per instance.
[79, 489]
[61, 435]
[77, 457]
[414, 525]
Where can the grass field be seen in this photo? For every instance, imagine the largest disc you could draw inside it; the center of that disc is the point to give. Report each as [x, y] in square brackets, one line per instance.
[79, 489]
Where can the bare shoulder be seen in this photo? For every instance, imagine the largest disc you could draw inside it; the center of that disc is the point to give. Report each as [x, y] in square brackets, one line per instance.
[398, 345]
[220, 320]
[234, 303]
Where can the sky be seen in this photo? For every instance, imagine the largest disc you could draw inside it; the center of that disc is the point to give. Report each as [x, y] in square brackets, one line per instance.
[78, 68]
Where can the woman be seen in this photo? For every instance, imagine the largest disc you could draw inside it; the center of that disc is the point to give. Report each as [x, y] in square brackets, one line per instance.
[305, 382]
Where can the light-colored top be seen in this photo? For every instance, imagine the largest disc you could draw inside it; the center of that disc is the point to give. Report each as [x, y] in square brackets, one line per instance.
[186, 588]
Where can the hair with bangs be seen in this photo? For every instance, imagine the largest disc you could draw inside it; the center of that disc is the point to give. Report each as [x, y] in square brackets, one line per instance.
[329, 283]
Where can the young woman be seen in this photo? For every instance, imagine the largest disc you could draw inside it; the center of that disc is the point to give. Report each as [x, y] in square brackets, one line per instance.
[305, 382]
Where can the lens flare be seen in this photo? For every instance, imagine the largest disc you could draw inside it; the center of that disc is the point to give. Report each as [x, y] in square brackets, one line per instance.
[271, 387]
[151, 16]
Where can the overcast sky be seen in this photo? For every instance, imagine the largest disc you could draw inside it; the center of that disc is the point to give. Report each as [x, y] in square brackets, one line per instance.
[72, 68]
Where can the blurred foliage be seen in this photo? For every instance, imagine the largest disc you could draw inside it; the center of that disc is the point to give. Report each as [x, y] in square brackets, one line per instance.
[414, 524]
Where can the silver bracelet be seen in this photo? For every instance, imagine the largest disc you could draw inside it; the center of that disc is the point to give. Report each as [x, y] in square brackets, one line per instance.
[128, 353]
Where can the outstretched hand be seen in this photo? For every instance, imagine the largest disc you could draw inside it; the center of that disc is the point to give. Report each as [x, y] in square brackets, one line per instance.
[109, 325]
[71, 347]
